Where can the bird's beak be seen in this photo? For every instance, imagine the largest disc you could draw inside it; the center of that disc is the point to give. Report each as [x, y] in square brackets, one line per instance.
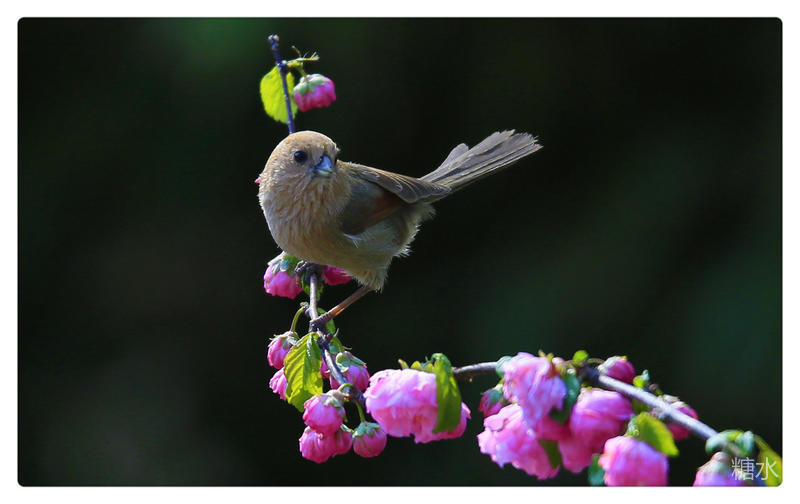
[324, 168]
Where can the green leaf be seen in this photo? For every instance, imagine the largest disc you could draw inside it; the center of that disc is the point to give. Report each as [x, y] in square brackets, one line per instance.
[652, 431]
[500, 363]
[301, 368]
[553, 454]
[769, 463]
[580, 357]
[448, 396]
[403, 364]
[596, 473]
[573, 388]
[416, 365]
[272, 95]
[720, 441]
[746, 442]
[642, 381]
[288, 264]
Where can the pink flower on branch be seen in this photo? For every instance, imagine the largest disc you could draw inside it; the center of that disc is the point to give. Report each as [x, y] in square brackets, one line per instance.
[630, 462]
[403, 402]
[679, 433]
[314, 91]
[507, 439]
[369, 439]
[535, 384]
[599, 415]
[324, 413]
[280, 283]
[335, 276]
[618, 368]
[278, 384]
[319, 447]
[279, 348]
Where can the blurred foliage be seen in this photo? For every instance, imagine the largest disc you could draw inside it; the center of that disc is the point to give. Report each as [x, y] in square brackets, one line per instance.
[648, 226]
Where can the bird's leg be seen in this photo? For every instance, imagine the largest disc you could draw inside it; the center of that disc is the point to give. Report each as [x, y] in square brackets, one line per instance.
[318, 324]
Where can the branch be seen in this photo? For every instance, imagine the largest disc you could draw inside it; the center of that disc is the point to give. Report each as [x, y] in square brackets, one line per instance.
[660, 408]
[273, 44]
[324, 340]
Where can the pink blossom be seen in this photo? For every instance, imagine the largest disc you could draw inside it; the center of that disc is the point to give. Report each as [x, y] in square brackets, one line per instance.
[507, 439]
[630, 462]
[324, 413]
[597, 416]
[280, 283]
[355, 374]
[369, 439]
[575, 456]
[335, 276]
[679, 433]
[718, 472]
[550, 430]
[314, 91]
[491, 402]
[618, 368]
[279, 348]
[403, 402]
[535, 384]
[319, 447]
[278, 384]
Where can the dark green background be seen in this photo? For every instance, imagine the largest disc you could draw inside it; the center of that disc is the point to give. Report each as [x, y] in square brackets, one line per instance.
[649, 225]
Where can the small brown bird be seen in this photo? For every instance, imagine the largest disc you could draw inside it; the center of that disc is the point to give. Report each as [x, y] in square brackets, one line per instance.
[357, 218]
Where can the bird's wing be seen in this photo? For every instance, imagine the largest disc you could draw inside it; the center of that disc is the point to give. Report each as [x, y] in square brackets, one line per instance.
[408, 189]
[377, 194]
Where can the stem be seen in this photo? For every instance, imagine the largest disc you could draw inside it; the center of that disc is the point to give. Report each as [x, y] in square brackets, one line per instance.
[473, 370]
[273, 43]
[324, 340]
[361, 413]
[296, 318]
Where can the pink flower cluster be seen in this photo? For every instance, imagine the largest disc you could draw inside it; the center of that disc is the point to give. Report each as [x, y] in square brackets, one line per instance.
[718, 471]
[403, 402]
[353, 369]
[314, 91]
[534, 388]
[631, 462]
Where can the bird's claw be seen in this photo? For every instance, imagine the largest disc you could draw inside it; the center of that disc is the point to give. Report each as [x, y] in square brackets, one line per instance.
[304, 267]
[318, 324]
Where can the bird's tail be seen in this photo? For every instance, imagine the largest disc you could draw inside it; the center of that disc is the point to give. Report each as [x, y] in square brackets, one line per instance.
[499, 150]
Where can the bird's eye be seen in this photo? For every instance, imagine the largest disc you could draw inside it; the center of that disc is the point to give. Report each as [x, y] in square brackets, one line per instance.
[300, 156]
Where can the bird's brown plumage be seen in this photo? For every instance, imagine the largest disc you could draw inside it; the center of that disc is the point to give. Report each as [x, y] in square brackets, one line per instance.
[358, 218]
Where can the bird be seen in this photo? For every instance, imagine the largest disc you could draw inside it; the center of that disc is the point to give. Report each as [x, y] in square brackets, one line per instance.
[327, 211]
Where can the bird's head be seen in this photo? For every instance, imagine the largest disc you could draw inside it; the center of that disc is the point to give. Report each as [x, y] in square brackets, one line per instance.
[304, 161]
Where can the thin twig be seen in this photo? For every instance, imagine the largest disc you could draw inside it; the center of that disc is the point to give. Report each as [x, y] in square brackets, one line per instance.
[324, 339]
[273, 44]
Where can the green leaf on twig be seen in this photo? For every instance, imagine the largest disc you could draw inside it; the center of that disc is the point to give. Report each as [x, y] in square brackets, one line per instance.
[272, 95]
[500, 363]
[580, 357]
[573, 388]
[652, 431]
[553, 454]
[301, 368]
[596, 473]
[720, 441]
[448, 396]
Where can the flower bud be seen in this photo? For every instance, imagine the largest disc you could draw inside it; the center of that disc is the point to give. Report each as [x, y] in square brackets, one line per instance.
[369, 439]
[319, 447]
[324, 413]
[278, 384]
[491, 402]
[618, 368]
[335, 276]
[718, 471]
[279, 348]
[314, 91]
[280, 283]
[679, 433]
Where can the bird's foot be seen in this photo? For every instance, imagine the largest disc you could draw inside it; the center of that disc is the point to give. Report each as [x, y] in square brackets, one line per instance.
[305, 267]
[319, 323]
